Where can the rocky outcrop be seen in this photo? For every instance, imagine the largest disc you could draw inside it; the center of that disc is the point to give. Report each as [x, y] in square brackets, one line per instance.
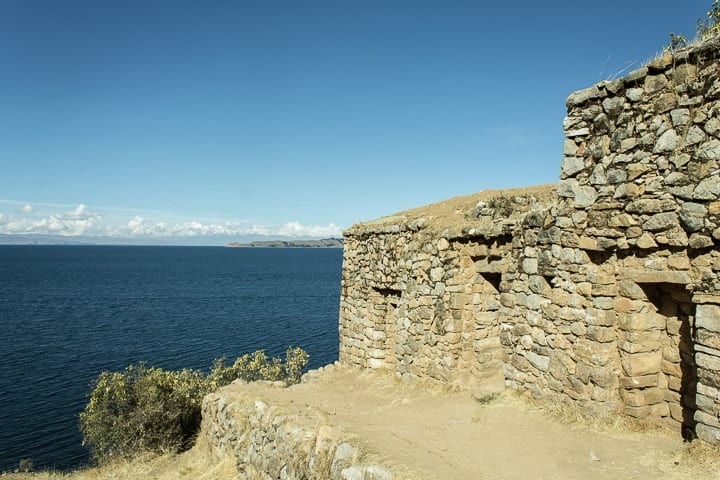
[603, 290]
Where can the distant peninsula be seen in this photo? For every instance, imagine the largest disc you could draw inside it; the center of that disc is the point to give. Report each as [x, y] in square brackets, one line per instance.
[322, 243]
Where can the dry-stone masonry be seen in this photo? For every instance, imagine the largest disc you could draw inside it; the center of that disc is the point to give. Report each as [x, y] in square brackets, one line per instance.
[268, 442]
[602, 290]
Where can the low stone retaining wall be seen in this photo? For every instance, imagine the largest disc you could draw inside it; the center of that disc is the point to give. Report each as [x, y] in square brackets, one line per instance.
[270, 443]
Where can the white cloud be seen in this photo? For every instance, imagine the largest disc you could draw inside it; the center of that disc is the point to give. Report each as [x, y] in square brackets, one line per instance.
[296, 229]
[81, 211]
[82, 221]
[79, 221]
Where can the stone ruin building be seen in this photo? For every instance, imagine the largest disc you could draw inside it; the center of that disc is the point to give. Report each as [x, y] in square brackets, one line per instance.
[602, 289]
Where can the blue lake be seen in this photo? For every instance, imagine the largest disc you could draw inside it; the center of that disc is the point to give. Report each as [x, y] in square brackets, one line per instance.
[69, 312]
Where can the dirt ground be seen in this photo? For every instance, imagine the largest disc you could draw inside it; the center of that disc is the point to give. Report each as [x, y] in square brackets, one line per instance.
[423, 432]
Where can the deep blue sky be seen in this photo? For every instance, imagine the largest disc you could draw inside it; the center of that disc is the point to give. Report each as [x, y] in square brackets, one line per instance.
[277, 116]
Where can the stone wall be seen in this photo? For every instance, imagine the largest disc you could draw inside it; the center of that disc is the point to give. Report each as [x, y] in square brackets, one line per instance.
[268, 442]
[602, 290]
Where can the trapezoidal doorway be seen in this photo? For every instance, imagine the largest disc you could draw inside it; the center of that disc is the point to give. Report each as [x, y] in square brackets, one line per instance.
[658, 357]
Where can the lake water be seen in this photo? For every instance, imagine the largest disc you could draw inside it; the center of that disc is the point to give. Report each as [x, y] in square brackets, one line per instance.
[69, 312]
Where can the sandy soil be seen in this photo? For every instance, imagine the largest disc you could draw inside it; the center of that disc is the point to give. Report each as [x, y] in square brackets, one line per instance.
[426, 433]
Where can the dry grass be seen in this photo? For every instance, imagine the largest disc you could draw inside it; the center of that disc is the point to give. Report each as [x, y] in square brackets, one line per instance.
[195, 464]
[568, 413]
[702, 455]
[698, 454]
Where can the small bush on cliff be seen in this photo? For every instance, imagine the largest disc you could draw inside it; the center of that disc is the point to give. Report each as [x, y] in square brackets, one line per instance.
[710, 25]
[150, 409]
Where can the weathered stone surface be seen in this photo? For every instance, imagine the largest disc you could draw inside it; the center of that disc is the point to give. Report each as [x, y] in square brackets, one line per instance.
[661, 221]
[650, 205]
[709, 150]
[266, 439]
[644, 381]
[646, 240]
[667, 142]
[680, 117]
[581, 96]
[655, 83]
[710, 362]
[634, 94]
[708, 317]
[584, 196]
[613, 105]
[640, 364]
[572, 165]
[692, 216]
[666, 102]
[698, 241]
[707, 189]
[694, 136]
[539, 361]
[708, 433]
[641, 321]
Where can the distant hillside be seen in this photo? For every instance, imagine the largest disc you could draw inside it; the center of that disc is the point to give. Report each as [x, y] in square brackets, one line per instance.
[323, 243]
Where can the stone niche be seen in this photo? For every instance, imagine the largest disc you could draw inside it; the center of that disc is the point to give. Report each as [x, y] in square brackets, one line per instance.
[602, 290]
[657, 354]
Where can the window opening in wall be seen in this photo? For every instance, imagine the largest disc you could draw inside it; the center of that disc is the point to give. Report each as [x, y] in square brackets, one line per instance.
[598, 258]
[674, 302]
[493, 279]
[503, 240]
[388, 292]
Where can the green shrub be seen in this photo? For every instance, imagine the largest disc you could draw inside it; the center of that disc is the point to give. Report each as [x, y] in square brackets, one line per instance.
[710, 25]
[26, 465]
[151, 409]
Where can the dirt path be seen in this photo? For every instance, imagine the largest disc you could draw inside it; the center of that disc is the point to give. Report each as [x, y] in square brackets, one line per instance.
[428, 434]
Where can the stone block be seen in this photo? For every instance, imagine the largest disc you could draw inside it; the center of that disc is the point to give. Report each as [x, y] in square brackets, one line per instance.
[601, 334]
[659, 410]
[584, 196]
[600, 318]
[643, 381]
[639, 364]
[375, 363]
[634, 94]
[708, 338]
[668, 142]
[540, 362]
[671, 369]
[520, 362]
[631, 347]
[661, 221]
[602, 299]
[625, 306]
[630, 289]
[708, 433]
[638, 412]
[709, 377]
[708, 317]
[710, 362]
[707, 404]
[599, 354]
[641, 321]
[676, 411]
[707, 189]
[530, 266]
[655, 276]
